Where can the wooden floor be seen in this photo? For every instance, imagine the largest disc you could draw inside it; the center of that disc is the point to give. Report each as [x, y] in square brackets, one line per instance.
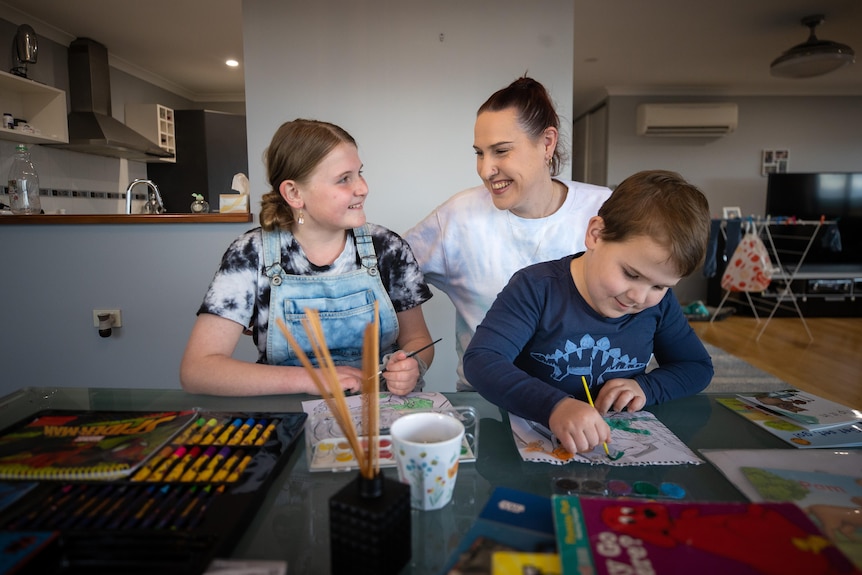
[829, 366]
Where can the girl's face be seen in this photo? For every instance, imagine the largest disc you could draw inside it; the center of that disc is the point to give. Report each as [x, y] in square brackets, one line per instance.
[333, 198]
[621, 278]
[513, 167]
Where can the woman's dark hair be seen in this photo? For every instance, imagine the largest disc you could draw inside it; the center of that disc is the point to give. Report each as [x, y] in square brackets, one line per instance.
[536, 112]
[296, 149]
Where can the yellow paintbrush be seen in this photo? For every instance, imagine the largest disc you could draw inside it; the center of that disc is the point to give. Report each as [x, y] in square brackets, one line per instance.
[590, 399]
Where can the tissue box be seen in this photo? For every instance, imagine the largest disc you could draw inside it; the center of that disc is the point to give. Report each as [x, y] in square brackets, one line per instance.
[232, 203]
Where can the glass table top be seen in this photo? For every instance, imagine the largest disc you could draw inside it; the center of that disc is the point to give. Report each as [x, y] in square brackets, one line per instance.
[292, 522]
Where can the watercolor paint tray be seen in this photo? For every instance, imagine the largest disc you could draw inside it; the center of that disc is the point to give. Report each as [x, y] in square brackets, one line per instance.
[327, 449]
[167, 522]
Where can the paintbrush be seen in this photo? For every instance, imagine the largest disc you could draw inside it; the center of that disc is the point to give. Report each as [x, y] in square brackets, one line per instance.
[412, 353]
[590, 399]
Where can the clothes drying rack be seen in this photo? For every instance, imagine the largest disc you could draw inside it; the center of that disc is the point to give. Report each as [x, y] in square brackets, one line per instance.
[792, 247]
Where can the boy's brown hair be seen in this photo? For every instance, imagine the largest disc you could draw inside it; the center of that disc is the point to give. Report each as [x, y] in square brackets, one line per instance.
[663, 206]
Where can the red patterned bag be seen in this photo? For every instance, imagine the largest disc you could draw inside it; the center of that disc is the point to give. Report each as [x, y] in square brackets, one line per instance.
[750, 268]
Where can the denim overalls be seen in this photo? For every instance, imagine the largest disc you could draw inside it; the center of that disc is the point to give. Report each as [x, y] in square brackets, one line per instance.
[345, 303]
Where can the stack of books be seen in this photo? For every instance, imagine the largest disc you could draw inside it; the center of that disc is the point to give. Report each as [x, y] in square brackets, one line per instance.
[520, 532]
[801, 419]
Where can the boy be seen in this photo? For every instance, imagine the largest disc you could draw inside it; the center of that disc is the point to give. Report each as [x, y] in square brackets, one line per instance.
[601, 314]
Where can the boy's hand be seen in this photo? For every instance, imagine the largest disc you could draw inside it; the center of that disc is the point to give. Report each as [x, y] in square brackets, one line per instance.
[619, 395]
[578, 426]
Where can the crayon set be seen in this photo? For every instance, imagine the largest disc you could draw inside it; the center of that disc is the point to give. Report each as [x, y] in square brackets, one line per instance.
[119, 506]
[193, 494]
[215, 447]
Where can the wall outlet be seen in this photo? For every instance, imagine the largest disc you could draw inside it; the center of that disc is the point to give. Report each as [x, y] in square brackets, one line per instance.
[118, 317]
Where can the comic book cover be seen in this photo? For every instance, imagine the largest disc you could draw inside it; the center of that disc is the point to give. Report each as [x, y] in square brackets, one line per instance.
[60, 444]
[743, 538]
[511, 520]
[826, 484]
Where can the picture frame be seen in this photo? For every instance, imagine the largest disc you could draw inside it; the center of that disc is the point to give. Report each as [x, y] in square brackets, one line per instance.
[774, 161]
[731, 213]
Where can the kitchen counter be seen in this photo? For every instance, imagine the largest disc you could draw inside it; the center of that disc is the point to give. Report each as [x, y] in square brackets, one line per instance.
[64, 219]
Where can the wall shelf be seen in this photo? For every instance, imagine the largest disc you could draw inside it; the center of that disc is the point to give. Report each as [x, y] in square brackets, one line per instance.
[41, 106]
[156, 123]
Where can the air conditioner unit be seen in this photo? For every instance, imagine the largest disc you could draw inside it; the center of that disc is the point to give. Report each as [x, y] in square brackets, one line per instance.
[692, 120]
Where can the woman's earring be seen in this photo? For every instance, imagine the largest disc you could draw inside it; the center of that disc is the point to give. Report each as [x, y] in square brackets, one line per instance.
[300, 219]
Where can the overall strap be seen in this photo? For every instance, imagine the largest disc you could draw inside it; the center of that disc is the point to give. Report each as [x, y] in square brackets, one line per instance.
[272, 255]
[365, 249]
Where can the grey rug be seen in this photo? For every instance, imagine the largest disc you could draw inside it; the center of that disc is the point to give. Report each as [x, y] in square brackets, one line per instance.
[733, 375]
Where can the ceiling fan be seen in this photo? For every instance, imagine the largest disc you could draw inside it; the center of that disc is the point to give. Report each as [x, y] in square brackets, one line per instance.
[813, 57]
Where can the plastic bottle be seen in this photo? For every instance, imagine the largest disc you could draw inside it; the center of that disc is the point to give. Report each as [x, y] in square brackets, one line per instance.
[23, 183]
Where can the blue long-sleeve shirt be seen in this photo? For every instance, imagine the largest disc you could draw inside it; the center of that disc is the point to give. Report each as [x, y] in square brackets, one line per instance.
[540, 336]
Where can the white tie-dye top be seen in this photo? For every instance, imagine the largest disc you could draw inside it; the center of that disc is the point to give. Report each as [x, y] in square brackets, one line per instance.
[469, 249]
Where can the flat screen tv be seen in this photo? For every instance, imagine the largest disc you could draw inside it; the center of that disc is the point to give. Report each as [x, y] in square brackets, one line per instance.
[811, 195]
[833, 195]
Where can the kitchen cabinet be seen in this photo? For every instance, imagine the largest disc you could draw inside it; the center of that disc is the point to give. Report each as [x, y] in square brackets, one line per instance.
[41, 106]
[156, 123]
[211, 149]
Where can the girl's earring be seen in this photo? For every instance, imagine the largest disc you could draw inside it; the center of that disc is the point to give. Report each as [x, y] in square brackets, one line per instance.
[300, 219]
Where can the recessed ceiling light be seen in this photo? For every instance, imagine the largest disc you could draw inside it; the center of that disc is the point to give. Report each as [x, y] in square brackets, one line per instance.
[232, 63]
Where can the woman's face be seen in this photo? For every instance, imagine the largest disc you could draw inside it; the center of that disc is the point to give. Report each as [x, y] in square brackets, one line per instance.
[513, 167]
[334, 195]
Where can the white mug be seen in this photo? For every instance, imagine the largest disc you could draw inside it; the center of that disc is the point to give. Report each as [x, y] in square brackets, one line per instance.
[427, 449]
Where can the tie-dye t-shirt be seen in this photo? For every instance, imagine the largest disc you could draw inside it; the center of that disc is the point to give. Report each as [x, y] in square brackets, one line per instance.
[469, 249]
[240, 290]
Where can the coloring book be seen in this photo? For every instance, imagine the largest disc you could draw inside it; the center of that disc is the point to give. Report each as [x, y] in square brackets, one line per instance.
[805, 409]
[640, 436]
[849, 435]
[60, 444]
[707, 538]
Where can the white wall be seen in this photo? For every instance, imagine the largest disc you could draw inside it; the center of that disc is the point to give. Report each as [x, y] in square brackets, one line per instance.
[380, 70]
[54, 276]
[822, 133]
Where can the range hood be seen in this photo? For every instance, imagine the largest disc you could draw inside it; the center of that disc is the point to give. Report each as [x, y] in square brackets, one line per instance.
[92, 128]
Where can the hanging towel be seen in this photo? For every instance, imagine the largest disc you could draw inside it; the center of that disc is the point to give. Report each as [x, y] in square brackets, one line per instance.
[710, 264]
[733, 229]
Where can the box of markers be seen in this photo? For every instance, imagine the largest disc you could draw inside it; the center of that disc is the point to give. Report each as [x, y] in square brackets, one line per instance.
[139, 491]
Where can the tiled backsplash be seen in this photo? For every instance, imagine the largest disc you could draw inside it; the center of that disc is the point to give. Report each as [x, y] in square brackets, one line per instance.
[77, 183]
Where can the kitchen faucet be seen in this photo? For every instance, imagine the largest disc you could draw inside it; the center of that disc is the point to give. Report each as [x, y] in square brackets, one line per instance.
[160, 209]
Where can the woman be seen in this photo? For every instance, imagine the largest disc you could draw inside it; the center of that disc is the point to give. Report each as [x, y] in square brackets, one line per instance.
[315, 250]
[471, 245]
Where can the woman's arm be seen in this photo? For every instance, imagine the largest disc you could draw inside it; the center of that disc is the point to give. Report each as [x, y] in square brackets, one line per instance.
[208, 366]
[401, 373]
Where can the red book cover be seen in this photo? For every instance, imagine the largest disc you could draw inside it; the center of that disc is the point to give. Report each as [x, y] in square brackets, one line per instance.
[625, 536]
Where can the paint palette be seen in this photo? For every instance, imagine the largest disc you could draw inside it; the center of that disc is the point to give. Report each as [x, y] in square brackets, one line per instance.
[328, 450]
[573, 485]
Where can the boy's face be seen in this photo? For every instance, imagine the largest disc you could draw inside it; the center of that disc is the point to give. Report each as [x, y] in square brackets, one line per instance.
[620, 278]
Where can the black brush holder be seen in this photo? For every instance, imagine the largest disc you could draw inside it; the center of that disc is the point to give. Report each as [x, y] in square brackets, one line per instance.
[369, 526]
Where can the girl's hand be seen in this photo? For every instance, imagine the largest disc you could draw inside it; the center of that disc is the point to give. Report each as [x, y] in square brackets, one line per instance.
[578, 426]
[401, 373]
[350, 379]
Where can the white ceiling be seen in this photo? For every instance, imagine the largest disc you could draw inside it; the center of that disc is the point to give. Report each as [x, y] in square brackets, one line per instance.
[666, 47]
